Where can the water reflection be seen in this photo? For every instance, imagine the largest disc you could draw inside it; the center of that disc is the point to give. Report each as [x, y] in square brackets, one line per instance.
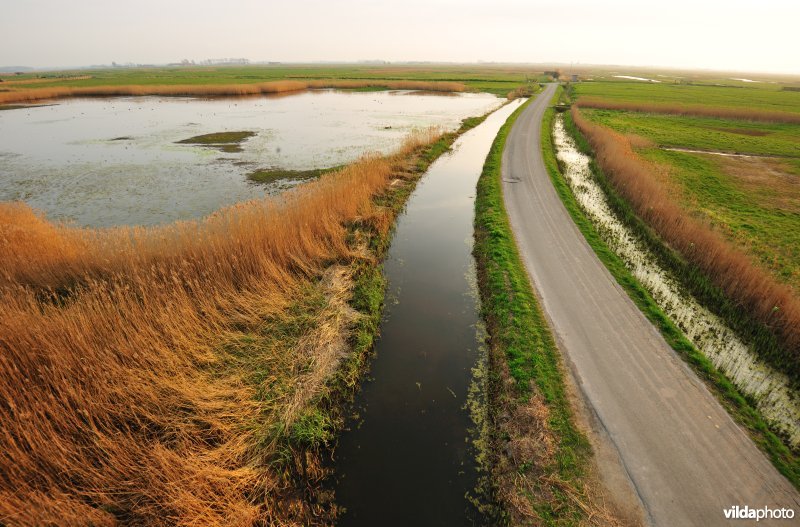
[407, 458]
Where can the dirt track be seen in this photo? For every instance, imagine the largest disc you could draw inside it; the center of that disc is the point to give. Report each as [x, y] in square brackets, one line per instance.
[685, 457]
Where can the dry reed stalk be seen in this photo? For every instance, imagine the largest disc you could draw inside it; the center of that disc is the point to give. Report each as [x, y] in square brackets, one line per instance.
[126, 398]
[770, 302]
[747, 114]
[218, 90]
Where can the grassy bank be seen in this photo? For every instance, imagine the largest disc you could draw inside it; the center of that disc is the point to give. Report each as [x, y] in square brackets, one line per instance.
[738, 406]
[192, 374]
[539, 457]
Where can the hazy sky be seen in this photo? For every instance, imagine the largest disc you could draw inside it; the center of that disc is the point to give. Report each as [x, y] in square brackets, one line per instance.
[734, 34]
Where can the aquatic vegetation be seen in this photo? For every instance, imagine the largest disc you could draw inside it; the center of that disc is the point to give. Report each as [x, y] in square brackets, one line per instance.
[218, 138]
[270, 175]
[225, 141]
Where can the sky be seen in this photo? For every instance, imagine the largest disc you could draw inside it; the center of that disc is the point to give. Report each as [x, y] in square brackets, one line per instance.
[735, 35]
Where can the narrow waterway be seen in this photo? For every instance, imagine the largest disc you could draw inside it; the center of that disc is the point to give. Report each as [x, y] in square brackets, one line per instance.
[407, 456]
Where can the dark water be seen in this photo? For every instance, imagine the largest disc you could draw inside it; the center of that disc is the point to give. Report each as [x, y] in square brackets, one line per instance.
[112, 161]
[407, 459]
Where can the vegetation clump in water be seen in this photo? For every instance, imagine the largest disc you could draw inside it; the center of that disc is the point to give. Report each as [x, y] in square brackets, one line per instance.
[271, 175]
[225, 141]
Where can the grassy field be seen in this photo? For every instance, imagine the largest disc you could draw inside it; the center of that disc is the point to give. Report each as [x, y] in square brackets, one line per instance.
[497, 80]
[758, 96]
[703, 133]
[753, 201]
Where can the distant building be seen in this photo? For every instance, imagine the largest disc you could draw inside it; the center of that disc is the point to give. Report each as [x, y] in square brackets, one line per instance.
[573, 77]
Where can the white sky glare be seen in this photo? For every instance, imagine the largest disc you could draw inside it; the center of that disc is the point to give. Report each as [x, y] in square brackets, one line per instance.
[724, 35]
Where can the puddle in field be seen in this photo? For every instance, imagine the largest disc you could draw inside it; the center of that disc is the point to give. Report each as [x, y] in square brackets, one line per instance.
[629, 77]
[778, 403]
[715, 153]
[112, 161]
[411, 454]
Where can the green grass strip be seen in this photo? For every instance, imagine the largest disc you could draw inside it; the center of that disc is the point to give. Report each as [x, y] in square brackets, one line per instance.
[517, 328]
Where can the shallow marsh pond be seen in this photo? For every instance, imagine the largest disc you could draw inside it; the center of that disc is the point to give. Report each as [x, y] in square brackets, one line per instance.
[114, 161]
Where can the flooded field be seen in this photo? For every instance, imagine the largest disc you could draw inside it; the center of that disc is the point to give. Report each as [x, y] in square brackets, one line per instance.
[408, 457]
[113, 161]
[770, 389]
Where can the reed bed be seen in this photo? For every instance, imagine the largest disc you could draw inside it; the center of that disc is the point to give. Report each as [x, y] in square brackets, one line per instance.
[752, 288]
[148, 375]
[697, 110]
[219, 90]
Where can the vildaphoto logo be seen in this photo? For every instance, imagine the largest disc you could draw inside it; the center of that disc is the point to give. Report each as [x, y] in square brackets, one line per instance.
[764, 513]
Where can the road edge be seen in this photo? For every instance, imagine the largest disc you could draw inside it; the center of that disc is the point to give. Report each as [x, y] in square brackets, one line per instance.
[541, 461]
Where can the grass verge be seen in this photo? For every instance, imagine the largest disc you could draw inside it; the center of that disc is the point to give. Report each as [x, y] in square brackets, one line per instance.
[742, 410]
[539, 456]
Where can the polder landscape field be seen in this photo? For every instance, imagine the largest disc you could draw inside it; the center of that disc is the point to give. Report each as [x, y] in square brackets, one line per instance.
[298, 294]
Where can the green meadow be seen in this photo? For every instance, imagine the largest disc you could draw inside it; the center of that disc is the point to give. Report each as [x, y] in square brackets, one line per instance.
[754, 200]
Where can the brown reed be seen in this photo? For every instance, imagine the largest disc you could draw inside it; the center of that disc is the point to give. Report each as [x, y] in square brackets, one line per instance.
[127, 355]
[218, 90]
